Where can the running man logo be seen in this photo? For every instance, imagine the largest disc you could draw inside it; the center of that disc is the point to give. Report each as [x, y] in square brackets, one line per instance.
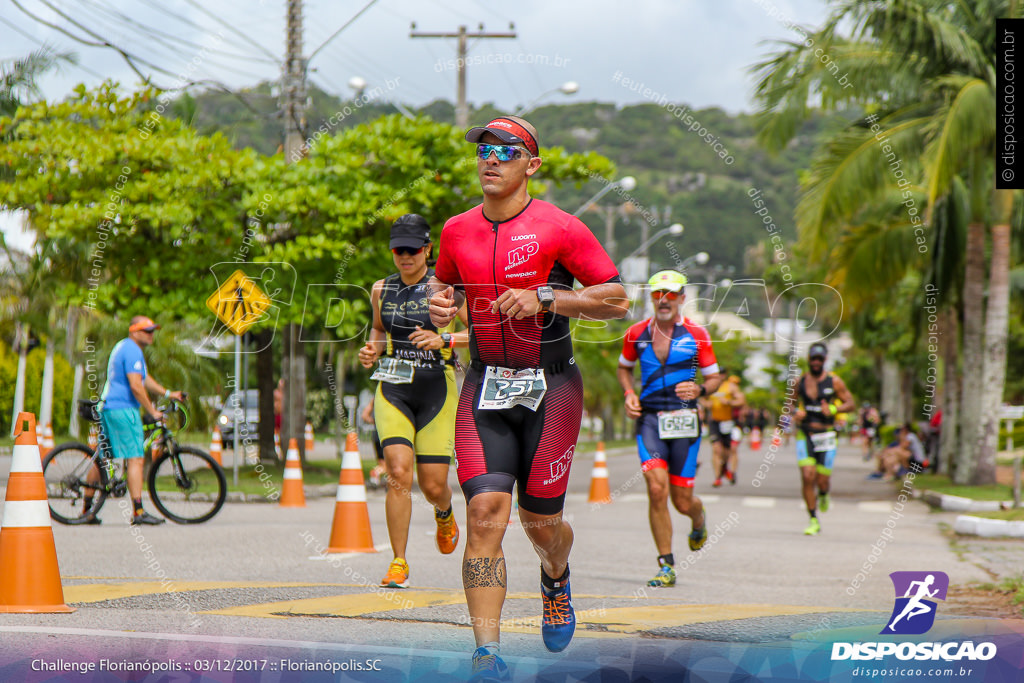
[239, 303]
[914, 613]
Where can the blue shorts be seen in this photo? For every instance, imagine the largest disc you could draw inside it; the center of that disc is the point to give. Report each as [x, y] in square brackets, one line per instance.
[123, 429]
[678, 456]
[806, 456]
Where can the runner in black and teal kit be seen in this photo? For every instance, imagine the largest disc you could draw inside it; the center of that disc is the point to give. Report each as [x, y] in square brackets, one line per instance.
[822, 395]
[670, 349]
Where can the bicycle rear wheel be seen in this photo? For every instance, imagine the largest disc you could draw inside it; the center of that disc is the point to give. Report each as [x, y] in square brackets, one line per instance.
[187, 487]
[71, 472]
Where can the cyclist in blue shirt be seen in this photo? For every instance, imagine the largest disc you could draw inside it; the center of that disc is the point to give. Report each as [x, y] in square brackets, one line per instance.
[123, 394]
[670, 349]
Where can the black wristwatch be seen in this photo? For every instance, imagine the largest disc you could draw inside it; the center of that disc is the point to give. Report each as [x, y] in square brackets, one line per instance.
[448, 340]
[703, 390]
[546, 297]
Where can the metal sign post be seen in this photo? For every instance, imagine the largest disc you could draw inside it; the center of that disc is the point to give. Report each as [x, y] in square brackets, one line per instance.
[239, 303]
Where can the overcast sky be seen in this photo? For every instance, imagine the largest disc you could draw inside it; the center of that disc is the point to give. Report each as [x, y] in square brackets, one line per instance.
[692, 51]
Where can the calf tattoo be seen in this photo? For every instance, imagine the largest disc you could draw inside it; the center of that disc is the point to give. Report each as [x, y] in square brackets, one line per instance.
[483, 572]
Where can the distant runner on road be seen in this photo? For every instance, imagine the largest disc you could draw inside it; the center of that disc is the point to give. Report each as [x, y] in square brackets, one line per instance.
[669, 349]
[821, 395]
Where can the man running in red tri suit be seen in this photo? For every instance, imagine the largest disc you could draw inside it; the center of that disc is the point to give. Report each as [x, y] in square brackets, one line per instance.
[513, 260]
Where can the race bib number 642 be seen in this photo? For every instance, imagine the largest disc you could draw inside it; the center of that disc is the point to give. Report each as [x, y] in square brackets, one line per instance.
[506, 387]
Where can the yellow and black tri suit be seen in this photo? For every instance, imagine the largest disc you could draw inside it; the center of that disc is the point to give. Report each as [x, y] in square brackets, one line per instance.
[419, 414]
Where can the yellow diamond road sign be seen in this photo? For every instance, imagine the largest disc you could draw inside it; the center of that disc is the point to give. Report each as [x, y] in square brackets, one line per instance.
[239, 303]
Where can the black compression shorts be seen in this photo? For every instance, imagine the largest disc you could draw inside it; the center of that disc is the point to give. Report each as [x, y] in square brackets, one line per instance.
[499, 448]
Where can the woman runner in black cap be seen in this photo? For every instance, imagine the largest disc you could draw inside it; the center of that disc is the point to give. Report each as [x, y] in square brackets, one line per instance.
[414, 407]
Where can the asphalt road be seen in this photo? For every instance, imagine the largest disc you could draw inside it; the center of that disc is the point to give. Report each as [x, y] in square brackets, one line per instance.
[252, 584]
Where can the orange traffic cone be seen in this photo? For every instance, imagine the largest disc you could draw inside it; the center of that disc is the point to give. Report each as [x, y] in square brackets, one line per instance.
[292, 494]
[29, 575]
[94, 440]
[47, 442]
[277, 443]
[755, 439]
[777, 438]
[350, 531]
[309, 437]
[216, 446]
[599, 491]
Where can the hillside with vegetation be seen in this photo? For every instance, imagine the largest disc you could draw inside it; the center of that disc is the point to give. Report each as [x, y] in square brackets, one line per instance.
[680, 175]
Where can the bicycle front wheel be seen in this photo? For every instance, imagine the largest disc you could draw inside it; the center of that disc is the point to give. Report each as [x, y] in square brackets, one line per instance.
[187, 487]
[72, 478]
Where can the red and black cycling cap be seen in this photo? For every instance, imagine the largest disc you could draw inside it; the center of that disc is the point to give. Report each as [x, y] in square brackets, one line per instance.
[410, 230]
[510, 130]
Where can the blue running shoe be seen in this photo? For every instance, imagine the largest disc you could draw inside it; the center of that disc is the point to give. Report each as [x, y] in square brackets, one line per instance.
[559, 621]
[488, 667]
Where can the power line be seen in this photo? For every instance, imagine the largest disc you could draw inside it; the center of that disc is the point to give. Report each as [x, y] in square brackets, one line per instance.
[129, 58]
[124, 19]
[48, 46]
[343, 27]
[234, 30]
[173, 50]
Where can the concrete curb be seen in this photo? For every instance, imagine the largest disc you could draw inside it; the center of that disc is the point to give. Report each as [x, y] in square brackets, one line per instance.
[968, 525]
[944, 501]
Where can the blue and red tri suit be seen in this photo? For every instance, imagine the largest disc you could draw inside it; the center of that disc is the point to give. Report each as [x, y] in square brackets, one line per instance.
[541, 245]
[689, 349]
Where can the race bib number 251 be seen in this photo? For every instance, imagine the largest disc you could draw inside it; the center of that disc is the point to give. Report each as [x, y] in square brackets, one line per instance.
[506, 387]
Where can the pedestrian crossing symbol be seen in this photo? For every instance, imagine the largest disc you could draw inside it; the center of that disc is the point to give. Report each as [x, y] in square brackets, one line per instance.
[239, 303]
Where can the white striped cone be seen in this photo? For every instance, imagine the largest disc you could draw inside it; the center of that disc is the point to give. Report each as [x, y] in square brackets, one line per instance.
[29, 574]
[350, 530]
[216, 446]
[94, 440]
[599, 490]
[309, 437]
[292, 493]
[277, 443]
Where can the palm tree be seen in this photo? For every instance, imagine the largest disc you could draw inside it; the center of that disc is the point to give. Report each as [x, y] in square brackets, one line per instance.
[925, 69]
[19, 78]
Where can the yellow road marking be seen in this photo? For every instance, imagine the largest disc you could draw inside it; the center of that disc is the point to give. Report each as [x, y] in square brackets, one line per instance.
[350, 605]
[633, 619]
[98, 592]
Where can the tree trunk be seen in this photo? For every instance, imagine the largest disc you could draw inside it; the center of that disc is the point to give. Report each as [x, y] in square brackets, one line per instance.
[76, 393]
[46, 392]
[907, 394]
[892, 392]
[343, 423]
[949, 341]
[972, 391]
[295, 391]
[21, 336]
[265, 384]
[993, 373]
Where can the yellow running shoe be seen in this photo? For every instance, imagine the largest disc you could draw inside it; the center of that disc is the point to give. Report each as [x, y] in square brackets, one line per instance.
[813, 528]
[447, 533]
[698, 537]
[398, 574]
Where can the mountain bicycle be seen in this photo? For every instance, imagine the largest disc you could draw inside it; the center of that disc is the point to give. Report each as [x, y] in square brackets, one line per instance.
[185, 484]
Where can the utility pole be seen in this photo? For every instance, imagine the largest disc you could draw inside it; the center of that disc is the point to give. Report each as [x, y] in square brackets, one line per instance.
[461, 107]
[293, 416]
